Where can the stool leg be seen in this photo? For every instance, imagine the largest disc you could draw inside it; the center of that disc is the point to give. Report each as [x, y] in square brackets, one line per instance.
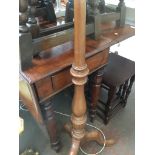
[128, 91]
[119, 91]
[108, 108]
[49, 118]
[95, 85]
[125, 86]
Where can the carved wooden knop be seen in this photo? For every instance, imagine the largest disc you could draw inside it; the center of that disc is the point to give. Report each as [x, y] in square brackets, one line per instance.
[25, 38]
[32, 22]
[23, 6]
[122, 9]
[94, 6]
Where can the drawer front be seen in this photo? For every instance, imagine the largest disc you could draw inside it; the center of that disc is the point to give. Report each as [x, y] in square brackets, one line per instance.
[62, 79]
[97, 60]
[44, 88]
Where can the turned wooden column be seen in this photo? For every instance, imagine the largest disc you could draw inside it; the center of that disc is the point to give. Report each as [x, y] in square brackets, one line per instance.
[50, 10]
[94, 5]
[125, 86]
[121, 8]
[32, 22]
[111, 94]
[48, 115]
[25, 38]
[79, 71]
[95, 87]
[102, 6]
[23, 5]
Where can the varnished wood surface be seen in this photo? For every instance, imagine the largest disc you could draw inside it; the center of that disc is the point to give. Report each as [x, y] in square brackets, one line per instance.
[60, 57]
[46, 24]
[79, 72]
[44, 87]
[29, 99]
[51, 85]
[53, 61]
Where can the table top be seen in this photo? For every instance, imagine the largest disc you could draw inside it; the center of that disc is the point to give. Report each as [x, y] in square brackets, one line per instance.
[57, 58]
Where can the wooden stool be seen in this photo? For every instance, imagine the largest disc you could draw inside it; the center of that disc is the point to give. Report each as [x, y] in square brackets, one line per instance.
[118, 78]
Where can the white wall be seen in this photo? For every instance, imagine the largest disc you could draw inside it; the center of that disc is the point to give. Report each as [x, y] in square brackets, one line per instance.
[130, 16]
[126, 48]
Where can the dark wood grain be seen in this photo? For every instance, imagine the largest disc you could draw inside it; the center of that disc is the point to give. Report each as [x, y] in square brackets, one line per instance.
[61, 79]
[95, 86]
[50, 61]
[50, 85]
[44, 87]
[48, 115]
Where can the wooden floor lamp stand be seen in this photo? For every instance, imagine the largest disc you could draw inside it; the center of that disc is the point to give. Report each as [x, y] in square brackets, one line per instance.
[79, 72]
[91, 136]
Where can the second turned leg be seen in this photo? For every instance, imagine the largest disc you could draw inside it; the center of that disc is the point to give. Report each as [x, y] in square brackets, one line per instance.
[50, 122]
[95, 86]
[111, 94]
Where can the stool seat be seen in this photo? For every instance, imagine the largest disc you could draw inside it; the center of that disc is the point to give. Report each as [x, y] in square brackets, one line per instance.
[118, 70]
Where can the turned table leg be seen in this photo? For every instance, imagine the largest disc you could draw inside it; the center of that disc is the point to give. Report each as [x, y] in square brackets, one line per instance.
[50, 122]
[95, 87]
[111, 94]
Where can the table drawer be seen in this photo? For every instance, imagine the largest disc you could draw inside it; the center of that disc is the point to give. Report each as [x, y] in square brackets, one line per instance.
[97, 60]
[63, 78]
[44, 88]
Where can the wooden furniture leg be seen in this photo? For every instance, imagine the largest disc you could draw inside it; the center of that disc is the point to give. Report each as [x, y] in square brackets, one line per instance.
[125, 86]
[111, 94]
[32, 22]
[119, 91]
[49, 118]
[79, 71]
[128, 91]
[96, 82]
